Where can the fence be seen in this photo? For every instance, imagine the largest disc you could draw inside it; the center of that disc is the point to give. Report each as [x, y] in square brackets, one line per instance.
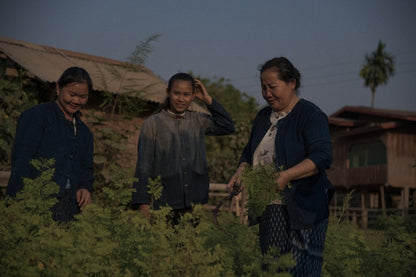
[236, 206]
[365, 216]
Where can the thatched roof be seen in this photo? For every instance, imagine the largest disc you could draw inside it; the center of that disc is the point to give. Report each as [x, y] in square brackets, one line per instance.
[47, 64]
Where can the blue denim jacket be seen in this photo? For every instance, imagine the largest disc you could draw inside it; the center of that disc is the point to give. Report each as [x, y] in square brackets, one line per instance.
[175, 149]
[43, 132]
[303, 133]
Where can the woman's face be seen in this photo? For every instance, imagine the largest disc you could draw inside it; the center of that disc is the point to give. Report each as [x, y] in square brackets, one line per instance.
[280, 96]
[181, 95]
[72, 97]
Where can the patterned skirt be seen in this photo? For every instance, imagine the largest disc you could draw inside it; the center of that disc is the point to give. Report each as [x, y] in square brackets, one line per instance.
[66, 207]
[306, 245]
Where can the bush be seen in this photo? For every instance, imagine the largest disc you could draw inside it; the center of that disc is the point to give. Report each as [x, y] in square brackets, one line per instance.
[110, 239]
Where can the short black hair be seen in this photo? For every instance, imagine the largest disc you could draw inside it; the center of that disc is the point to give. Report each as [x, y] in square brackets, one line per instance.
[181, 76]
[287, 72]
[75, 75]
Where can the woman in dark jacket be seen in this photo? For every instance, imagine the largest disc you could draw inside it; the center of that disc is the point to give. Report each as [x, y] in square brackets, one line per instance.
[292, 134]
[55, 130]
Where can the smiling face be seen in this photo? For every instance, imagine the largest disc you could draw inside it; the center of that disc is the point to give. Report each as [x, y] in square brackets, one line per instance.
[280, 95]
[181, 95]
[72, 97]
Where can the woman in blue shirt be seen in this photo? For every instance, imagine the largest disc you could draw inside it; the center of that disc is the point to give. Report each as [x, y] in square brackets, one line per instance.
[293, 134]
[55, 130]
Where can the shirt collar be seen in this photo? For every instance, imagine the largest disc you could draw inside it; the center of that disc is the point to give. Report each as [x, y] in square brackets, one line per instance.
[176, 115]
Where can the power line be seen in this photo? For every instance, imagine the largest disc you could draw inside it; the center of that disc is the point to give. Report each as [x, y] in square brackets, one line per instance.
[331, 82]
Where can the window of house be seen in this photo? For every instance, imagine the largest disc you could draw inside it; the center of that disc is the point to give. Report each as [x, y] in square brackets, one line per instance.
[365, 154]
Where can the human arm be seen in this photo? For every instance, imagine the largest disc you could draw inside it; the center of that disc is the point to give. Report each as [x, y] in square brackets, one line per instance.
[83, 197]
[145, 164]
[202, 93]
[29, 133]
[144, 209]
[219, 122]
[317, 153]
[305, 168]
[83, 194]
[259, 127]
[236, 178]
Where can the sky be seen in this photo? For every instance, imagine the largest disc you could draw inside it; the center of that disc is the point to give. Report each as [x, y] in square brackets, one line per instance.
[327, 40]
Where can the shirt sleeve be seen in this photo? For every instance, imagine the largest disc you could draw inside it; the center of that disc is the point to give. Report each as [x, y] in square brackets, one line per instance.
[318, 141]
[145, 164]
[88, 164]
[29, 132]
[219, 122]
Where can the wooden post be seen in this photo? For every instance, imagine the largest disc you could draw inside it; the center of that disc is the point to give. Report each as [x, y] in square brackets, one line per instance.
[364, 212]
[383, 200]
[405, 200]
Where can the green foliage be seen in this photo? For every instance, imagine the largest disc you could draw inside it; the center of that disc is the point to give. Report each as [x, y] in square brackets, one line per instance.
[23, 221]
[278, 263]
[261, 186]
[350, 251]
[396, 250]
[128, 103]
[13, 101]
[223, 152]
[109, 239]
[105, 239]
[109, 145]
[155, 189]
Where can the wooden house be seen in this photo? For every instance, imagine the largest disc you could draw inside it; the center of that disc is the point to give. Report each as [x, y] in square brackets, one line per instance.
[374, 154]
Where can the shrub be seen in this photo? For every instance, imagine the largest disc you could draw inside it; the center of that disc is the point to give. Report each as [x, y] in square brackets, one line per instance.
[110, 239]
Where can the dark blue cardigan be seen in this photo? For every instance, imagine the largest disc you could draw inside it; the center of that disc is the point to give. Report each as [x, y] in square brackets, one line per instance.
[43, 132]
[303, 133]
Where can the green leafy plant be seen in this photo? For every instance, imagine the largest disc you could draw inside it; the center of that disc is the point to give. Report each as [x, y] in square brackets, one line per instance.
[13, 101]
[155, 189]
[262, 188]
[109, 239]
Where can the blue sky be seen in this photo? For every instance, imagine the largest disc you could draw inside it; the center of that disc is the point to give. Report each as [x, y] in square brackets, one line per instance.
[326, 40]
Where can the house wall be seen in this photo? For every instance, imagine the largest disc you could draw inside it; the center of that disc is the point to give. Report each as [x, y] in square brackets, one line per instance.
[337, 174]
[341, 174]
[401, 157]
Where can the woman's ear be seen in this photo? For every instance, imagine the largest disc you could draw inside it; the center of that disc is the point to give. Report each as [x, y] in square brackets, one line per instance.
[58, 90]
[292, 84]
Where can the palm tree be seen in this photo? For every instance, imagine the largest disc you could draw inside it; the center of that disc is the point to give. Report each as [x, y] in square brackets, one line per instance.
[378, 67]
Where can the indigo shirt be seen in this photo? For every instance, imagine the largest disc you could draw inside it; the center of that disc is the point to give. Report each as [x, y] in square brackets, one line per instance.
[303, 133]
[175, 150]
[44, 132]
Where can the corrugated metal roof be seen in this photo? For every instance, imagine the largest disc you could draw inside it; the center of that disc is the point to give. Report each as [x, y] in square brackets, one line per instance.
[48, 63]
[348, 111]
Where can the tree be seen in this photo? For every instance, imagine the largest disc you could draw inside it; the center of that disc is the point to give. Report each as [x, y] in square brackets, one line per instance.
[378, 67]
